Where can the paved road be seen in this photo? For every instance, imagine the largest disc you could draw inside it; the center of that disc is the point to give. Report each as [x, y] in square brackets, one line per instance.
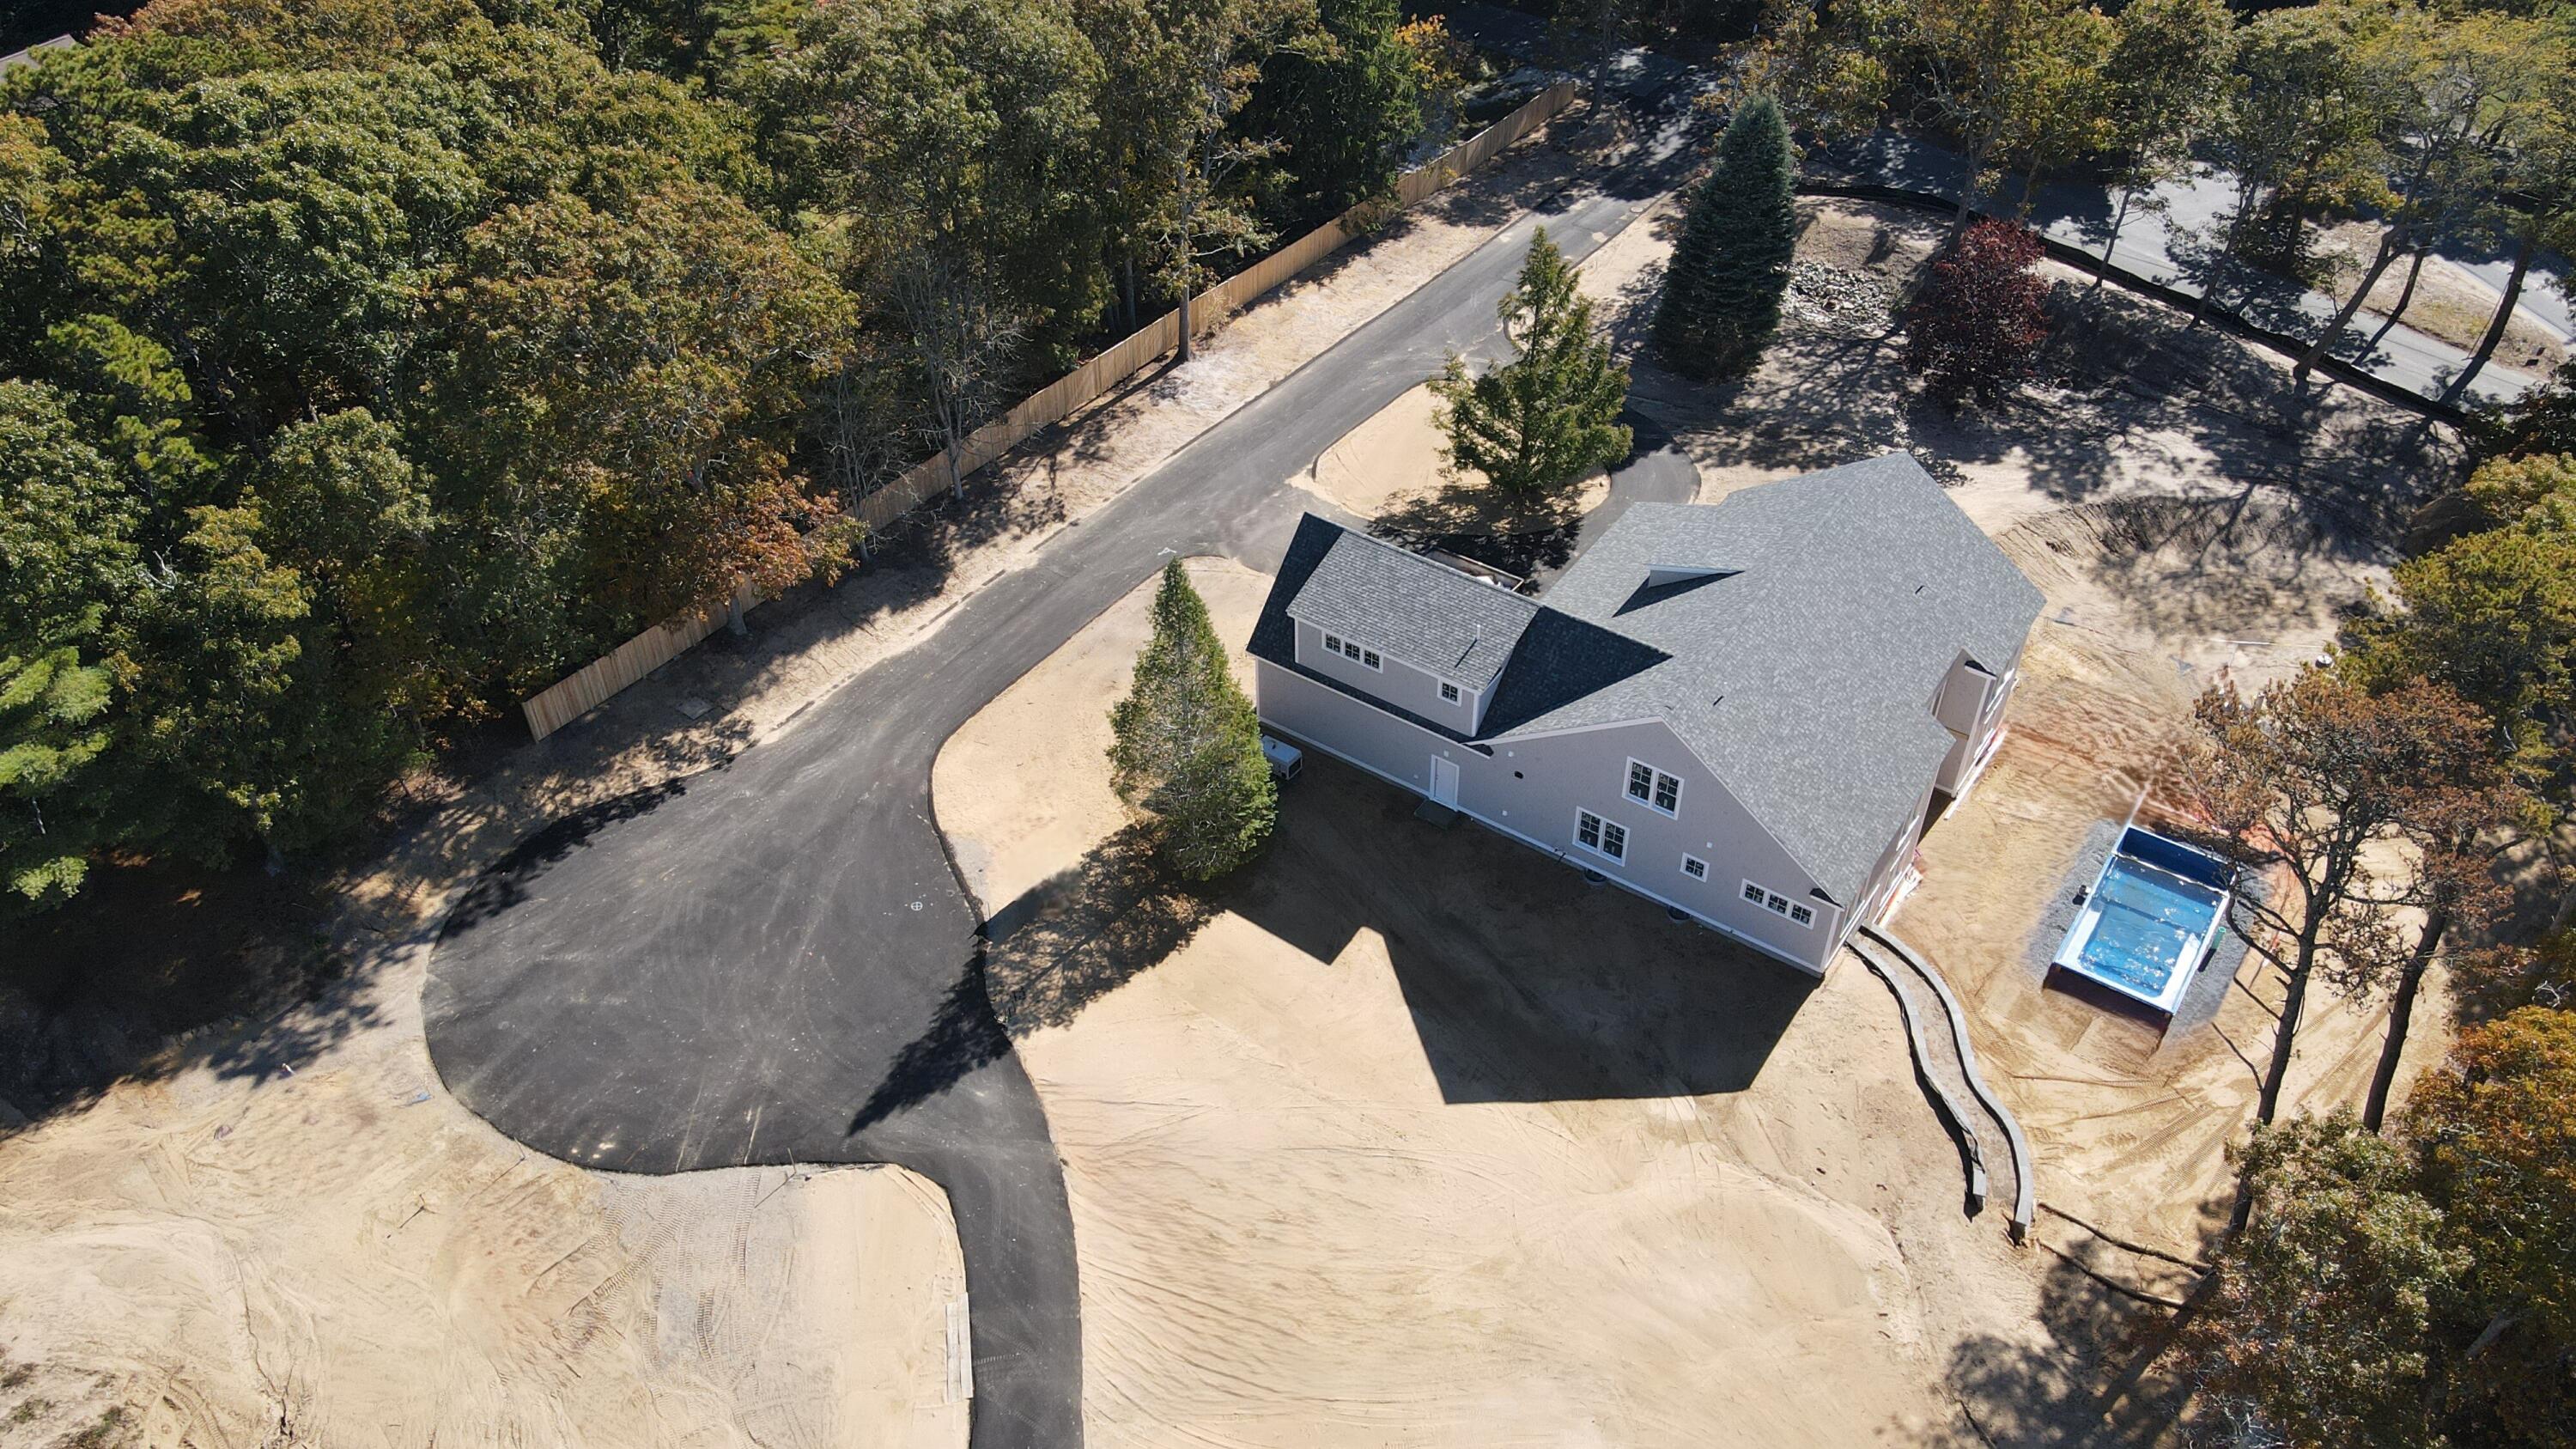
[774, 962]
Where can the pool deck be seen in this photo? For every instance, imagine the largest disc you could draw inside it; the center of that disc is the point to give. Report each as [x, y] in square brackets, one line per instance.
[2200, 1001]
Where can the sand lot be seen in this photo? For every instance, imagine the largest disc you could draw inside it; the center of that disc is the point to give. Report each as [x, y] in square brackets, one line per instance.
[1409, 1137]
[299, 1239]
[1389, 468]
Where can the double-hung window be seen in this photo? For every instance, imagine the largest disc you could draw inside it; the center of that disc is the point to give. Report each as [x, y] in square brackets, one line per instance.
[1653, 788]
[1606, 838]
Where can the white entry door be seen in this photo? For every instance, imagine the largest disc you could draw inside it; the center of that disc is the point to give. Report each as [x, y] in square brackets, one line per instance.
[1444, 782]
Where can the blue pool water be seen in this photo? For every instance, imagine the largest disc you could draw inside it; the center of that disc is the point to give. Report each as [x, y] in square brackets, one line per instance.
[2150, 918]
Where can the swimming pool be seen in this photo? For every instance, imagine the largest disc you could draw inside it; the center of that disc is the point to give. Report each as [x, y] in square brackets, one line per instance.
[2149, 920]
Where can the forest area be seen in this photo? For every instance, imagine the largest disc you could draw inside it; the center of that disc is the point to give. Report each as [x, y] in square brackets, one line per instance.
[366, 366]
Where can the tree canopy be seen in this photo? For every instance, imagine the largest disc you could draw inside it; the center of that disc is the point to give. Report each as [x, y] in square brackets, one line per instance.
[367, 365]
[1535, 424]
[1187, 746]
[1730, 269]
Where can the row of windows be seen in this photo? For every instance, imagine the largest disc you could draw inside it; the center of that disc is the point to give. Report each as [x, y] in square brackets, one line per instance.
[1353, 651]
[1366, 657]
[1609, 840]
[1779, 905]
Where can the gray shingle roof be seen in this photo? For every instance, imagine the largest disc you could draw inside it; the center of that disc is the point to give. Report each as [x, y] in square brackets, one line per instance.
[1424, 613]
[1805, 679]
[1803, 676]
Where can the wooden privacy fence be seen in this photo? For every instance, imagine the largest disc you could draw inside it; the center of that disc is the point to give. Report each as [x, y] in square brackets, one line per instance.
[1123, 359]
[568, 699]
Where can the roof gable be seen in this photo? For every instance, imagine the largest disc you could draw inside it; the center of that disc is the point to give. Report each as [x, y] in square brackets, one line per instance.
[1424, 613]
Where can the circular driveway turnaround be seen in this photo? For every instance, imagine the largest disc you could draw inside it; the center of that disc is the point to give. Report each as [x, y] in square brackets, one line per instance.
[773, 961]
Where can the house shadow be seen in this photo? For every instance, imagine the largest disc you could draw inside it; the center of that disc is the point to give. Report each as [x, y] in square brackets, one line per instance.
[1525, 982]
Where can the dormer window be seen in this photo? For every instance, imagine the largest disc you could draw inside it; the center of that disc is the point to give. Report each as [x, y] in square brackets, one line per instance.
[1653, 788]
[1354, 651]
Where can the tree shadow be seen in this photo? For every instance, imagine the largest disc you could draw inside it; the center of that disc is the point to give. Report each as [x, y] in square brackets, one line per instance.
[2101, 1373]
[1065, 943]
[163, 966]
[507, 881]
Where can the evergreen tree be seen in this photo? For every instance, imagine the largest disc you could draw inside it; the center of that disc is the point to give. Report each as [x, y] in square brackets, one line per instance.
[1188, 745]
[1549, 416]
[1722, 291]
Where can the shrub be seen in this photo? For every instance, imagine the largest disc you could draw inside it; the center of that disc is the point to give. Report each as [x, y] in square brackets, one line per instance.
[1973, 328]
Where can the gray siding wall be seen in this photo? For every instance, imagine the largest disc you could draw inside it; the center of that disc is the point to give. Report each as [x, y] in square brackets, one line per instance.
[1972, 706]
[1534, 787]
[1890, 869]
[1406, 686]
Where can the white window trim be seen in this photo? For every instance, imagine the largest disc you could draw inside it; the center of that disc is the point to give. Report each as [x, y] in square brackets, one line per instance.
[1607, 824]
[1657, 777]
[1450, 693]
[1689, 860]
[1333, 645]
[1787, 905]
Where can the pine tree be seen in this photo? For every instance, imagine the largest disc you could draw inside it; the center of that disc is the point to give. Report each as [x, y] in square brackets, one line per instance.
[1551, 415]
[1187, 745]
[1722, 291]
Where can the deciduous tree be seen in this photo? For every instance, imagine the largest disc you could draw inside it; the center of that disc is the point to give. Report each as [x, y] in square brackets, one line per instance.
[2167, 75]
[1972, 329]
[2300, 787]
[2318, 1328]
[2009, 81]
[1345, 106]
[2496, 1136]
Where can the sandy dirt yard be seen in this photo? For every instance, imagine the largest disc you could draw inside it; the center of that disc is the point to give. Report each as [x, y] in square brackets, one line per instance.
[1389, 470]
[1409, 1137]
[301, 1240]
[1406, 1137]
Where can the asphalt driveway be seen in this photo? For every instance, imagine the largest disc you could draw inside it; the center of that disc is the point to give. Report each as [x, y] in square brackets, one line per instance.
[742, 968]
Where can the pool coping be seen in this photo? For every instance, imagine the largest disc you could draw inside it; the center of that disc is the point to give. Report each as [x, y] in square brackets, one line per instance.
[2200, 1001]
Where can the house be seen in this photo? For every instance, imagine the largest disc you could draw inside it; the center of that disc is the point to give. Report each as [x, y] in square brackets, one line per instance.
[1741, 710]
